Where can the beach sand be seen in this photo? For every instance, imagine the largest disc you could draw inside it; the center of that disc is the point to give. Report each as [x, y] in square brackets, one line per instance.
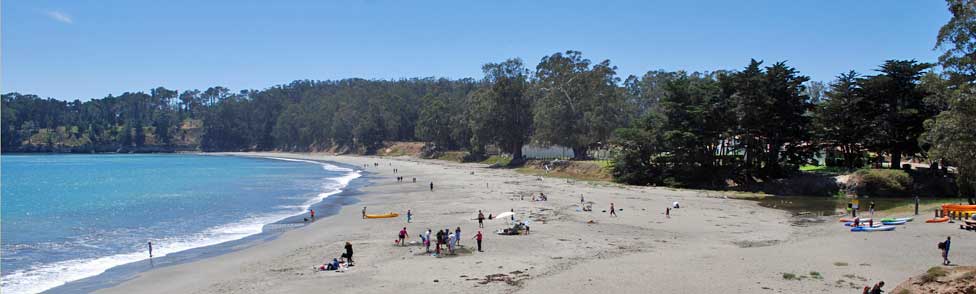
[711, 244]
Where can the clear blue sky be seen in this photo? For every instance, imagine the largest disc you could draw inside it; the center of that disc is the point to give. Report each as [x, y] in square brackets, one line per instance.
[88, 49]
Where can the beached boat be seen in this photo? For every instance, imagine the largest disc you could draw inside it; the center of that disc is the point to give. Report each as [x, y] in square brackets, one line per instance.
[895, 219]
[851, 219]
[863, 224]
[893, 222]
[938, 220]
[873, 229]
[385, 215]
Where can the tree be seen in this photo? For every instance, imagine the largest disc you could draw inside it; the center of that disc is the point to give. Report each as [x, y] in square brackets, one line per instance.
[503, 108]
[900, 108]
[952, 136]
[434, 122]
[578, 105]
[843, 119]
[958, 38]
[773, 128]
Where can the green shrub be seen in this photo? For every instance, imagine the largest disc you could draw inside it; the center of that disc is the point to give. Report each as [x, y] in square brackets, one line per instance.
[881, 183]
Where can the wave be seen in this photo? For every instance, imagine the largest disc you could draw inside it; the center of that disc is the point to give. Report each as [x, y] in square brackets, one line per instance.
[43, 277]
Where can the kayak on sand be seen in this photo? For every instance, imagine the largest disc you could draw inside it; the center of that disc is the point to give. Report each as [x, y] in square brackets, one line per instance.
[894, 222]
[895, 219]
[938, 220]
[873, 229]
[386, 215]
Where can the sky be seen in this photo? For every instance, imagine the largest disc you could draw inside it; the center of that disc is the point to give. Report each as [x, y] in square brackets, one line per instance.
[83, 49]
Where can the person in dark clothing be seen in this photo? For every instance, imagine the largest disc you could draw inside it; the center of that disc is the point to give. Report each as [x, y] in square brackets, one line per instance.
[348, 254]
[481, 219]
[945, 250]
[432, 186]
[613, 212]
[877, 288]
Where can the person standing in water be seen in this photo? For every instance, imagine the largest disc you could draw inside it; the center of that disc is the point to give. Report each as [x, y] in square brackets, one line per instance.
[311, 213]
[613, 212]
[409, 215]
[478, 238]
[150, 249]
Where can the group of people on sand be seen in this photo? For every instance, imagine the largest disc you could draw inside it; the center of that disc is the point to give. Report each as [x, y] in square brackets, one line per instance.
[450, 240]
[339, 264]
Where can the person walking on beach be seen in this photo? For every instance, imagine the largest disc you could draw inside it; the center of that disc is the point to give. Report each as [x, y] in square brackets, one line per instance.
[581, 199]
[431, 186]
[364, 212]
[945, 250]
[667, 213]
[348, 254]
[409, 215]
[451, 240]
[458, 237]
[403, 236]
[481, 219]
[613, 211]
[478, 237]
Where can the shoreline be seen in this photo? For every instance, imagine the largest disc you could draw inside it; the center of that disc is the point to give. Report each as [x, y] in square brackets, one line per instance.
[638, 251]
[327, 205]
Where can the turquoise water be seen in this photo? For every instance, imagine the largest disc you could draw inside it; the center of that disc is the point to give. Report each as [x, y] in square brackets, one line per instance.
[67, 217]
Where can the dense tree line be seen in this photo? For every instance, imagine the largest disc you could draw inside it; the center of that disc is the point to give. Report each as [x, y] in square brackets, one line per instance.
[670, 128]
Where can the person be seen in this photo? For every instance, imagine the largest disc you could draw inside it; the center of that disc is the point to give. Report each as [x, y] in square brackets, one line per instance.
[871, 208]
[427, 240]
[403, 236]
[431, 186]
[458, 237]
[478, 237]
[451, 240]
[870, 222]
[150, 249]
[613, 212]
[857, 221]
[675, 205]
[440, 240]
[364, 212]
[945, 250]
[490, 217]
[409, 215]
[877, 288]
[481, 219]
[348, 254]
[311, 213]
[513, 214]
[581, 198]
[414, 180]
[667, 213]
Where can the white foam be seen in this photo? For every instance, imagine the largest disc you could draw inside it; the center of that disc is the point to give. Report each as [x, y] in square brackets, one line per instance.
[43, 277]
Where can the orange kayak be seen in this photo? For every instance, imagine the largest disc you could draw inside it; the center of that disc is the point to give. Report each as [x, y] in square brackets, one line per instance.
[938, 220]
[387, 215]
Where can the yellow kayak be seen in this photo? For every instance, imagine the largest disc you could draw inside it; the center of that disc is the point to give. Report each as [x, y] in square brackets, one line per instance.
[385, 215]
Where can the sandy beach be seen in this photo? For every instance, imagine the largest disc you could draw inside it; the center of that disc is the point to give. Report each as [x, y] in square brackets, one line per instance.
[711, 243]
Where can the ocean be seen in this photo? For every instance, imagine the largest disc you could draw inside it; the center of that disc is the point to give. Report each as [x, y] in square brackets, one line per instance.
[70, 217]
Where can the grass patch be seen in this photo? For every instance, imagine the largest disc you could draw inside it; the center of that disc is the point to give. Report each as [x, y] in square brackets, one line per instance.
[823, 169]
[497, 160]
[791, 277]
[840, 263]
[455, 156]
[816, 275]
[933, 274]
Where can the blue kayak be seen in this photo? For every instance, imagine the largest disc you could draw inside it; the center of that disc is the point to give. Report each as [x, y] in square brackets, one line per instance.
[873, 229]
